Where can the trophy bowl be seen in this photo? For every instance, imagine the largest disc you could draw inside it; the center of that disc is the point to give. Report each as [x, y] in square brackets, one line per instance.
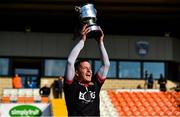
[87, 14]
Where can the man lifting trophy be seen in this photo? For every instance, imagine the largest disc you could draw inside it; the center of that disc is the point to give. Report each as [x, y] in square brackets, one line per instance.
[87, 14]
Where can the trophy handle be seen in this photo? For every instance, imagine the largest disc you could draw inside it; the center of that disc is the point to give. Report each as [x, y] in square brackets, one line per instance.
[78, 9]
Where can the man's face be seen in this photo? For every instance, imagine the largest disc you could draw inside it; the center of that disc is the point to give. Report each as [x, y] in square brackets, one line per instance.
[84, 72]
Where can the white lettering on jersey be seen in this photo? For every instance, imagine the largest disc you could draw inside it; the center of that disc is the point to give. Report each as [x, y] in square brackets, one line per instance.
[87, 96]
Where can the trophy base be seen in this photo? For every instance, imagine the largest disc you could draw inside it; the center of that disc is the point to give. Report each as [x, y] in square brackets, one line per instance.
[95, 32]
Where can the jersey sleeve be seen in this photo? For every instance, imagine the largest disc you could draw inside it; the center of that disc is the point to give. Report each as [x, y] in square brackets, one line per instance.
[103, 71]
[70, 70]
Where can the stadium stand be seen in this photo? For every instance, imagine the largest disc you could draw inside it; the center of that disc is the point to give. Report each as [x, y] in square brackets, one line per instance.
[145, 102]
[23, 96]
[113, 102]
[106, 107]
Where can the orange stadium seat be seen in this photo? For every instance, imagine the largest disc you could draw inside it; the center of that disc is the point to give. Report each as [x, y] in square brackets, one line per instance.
[44, 99]
[145, 103]
[21, 99]
[5, 99]
[29, 100]
[144, 113]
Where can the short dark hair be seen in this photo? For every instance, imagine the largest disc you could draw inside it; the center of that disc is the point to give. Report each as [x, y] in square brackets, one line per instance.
[79, 61]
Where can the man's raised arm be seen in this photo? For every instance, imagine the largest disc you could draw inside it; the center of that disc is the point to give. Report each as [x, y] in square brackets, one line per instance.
[103, 71]
[70, 69]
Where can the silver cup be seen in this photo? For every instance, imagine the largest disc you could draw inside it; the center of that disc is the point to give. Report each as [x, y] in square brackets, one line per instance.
[87, 14]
